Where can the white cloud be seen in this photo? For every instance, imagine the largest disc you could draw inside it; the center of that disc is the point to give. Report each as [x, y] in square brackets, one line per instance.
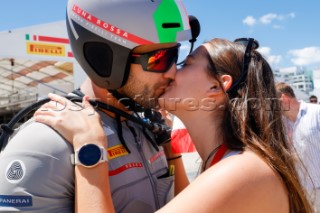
[249, 20]
[184, 51]
[305, 56]
[264, 50]
[286, 16]
[267, 19]
[185, 47]
[273, 60]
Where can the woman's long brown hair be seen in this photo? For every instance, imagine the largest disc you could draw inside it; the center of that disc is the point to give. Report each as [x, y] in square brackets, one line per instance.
[253, 116]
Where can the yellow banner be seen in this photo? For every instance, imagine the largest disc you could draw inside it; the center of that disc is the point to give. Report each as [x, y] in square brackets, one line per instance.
[38, 48]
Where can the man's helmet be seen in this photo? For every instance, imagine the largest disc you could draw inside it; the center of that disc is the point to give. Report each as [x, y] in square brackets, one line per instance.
[102, 33]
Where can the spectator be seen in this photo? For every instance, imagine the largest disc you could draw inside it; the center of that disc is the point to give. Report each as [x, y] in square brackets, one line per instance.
[302, 121]
[313, 99]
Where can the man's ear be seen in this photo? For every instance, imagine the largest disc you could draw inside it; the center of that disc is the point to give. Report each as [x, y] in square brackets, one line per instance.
[285, 102]
[284, 98]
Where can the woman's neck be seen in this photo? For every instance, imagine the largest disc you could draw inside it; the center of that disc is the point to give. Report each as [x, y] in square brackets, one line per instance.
[205, 131]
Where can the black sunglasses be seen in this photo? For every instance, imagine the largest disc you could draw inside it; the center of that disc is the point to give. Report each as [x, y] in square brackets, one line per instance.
[157, 61]
[250, 44]
[245, 42]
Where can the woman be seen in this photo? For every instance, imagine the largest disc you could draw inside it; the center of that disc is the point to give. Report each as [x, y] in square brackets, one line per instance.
[225, 96]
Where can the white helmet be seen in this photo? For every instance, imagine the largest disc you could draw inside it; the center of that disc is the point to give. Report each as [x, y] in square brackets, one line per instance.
[102, 33]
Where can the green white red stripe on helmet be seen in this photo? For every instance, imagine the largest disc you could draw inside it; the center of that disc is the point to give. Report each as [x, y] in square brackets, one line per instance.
[171, 21]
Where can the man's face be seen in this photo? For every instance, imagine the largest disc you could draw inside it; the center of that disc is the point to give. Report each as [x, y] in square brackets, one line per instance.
[146, 87]
[313, 100]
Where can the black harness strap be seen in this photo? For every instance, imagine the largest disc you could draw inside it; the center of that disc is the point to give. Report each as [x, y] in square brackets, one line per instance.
[120, 134]
[8, 128]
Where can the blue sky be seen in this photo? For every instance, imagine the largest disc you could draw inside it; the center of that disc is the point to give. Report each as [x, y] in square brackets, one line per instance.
[288, 31]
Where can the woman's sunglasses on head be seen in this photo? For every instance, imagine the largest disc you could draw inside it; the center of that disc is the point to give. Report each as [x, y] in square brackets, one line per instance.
[250, 44]
[245, 42]
[157, 61]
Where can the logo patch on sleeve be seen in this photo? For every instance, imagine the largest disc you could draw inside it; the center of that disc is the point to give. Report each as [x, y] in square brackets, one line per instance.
[15, 171]
[15, 201]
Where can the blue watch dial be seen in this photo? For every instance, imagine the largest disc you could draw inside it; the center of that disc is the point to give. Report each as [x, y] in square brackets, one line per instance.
[89, 155]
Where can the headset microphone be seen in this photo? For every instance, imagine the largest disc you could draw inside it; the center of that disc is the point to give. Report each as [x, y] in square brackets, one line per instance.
[195, 28]
[195, 31]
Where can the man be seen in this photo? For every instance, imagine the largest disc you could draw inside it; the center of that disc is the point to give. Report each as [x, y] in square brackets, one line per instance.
[313, 99]
[302, 121]
[129, 47]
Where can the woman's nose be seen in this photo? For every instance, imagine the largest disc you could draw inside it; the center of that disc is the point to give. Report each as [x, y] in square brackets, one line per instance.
[171, 73]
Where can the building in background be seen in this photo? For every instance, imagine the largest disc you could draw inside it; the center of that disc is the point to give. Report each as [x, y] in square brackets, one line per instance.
[316, 78]
[34, 61]
[316, 82]
[299, 78]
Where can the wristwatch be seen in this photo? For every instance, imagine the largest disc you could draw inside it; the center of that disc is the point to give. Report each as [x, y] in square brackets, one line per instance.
[89, 155]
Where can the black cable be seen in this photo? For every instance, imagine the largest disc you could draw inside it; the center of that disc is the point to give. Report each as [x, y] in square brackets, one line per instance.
[153, 127]
[120, 134]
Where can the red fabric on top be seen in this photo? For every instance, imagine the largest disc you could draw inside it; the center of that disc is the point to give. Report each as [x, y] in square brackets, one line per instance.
[181, 141]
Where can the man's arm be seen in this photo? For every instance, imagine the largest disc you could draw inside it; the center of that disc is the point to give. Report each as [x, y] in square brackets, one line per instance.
[36, 172]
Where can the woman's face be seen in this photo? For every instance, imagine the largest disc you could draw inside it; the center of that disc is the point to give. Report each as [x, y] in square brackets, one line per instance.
[192, 85]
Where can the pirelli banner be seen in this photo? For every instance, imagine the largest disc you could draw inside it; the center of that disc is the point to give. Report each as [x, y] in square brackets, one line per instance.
[41, 42]
[45, 49]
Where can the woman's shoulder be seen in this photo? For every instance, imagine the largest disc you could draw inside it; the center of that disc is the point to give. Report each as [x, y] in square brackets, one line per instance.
[246, 178]
[239, 183]
[249, 166]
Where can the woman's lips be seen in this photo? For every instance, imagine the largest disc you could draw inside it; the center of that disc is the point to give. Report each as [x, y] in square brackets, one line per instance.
[171, 84]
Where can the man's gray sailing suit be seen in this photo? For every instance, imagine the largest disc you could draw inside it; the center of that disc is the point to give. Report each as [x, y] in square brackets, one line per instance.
[36, 174]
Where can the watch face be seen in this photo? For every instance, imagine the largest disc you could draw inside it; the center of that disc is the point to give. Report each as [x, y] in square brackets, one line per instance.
[89, 155]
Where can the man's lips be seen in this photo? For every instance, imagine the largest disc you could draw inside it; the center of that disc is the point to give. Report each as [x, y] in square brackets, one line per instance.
[171, 84]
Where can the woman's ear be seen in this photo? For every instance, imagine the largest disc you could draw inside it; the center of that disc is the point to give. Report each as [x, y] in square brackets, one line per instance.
[226, 81]
[215, 89]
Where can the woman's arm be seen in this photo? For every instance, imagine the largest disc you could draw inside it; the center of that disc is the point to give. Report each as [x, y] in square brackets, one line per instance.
[93, 190]
[80, 124]
[242, 183]
[176, 166]
[175, 162]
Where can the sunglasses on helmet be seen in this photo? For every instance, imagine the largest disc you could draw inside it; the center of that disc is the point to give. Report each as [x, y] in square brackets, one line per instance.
[157, 61]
